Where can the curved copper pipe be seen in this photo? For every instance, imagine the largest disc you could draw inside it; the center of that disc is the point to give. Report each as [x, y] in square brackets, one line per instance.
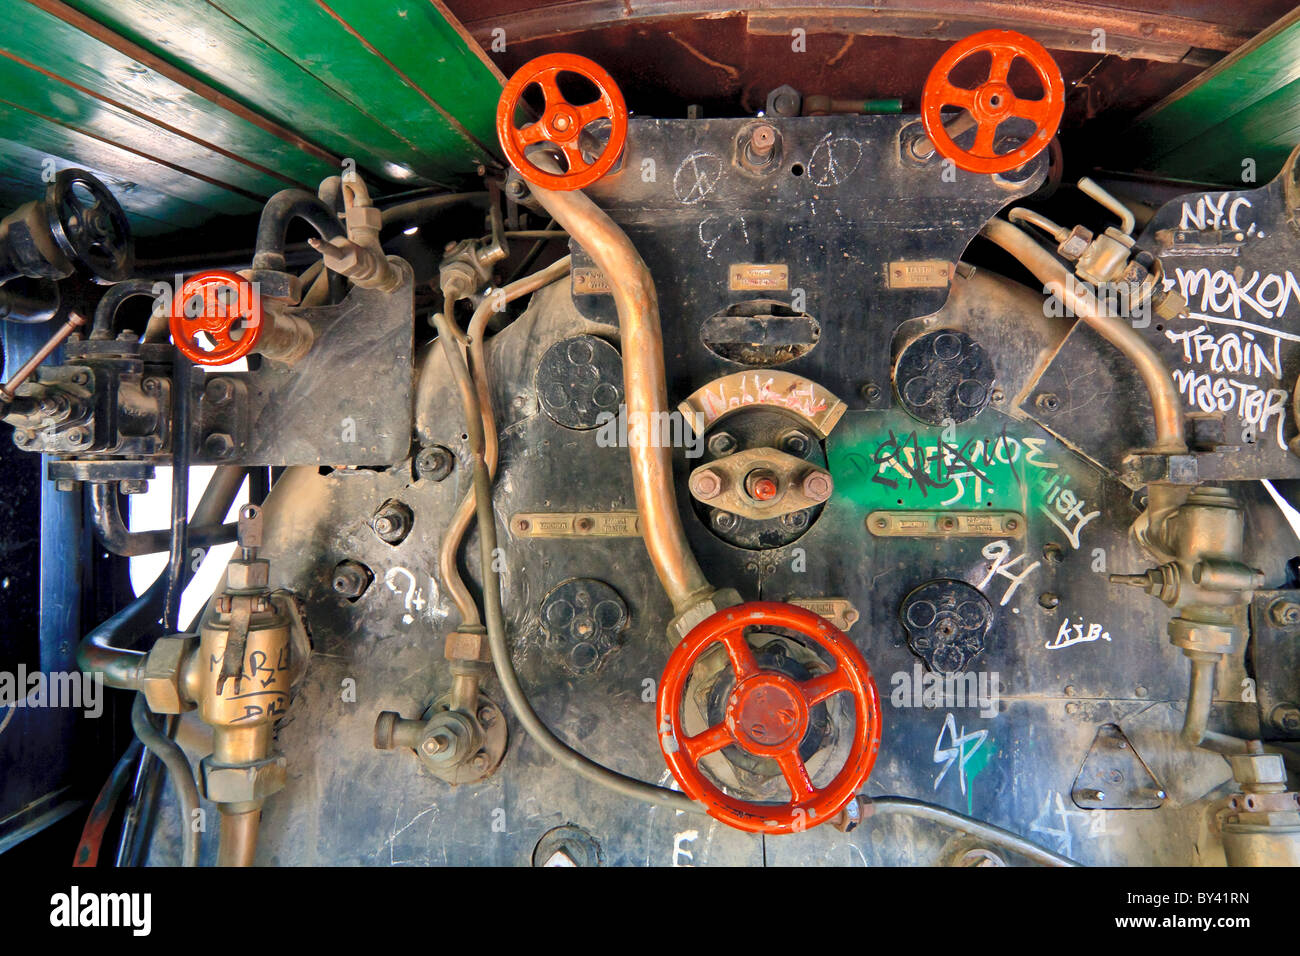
[645, 386]
[1166, 404]
[464, 517]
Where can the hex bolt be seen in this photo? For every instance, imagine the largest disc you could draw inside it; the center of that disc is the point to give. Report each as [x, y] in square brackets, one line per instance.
[434, 745]
[1286, 716]
[762, 143]
[434, 463]
[1284, 613]
[392, 521]
[706, 484]
[487, 716]
[795, 442]
[725, 520]
[721, 444]
[480, 762]
[351, 579]
[219, 390]
[818, 485]
[218, 445]
[795, 520]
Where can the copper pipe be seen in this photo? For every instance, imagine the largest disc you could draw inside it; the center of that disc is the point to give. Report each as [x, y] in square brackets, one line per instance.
[464, 516]
[75, 321]
[238, 842]
[1166, 404]
[645, 386]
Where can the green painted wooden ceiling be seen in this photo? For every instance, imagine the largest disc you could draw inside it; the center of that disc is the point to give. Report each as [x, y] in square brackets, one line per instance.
[190, 109]
[1242, 115]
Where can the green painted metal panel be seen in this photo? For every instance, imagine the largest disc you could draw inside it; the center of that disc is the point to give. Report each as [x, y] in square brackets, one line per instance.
[1247, 106]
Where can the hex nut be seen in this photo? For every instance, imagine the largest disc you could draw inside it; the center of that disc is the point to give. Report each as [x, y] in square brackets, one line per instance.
[161, 678]
[248, 575]
[467, 646]
[393, 521]
[351, 579]
[243, 783]
[1255, 769]
[218, 445]
[434, 463]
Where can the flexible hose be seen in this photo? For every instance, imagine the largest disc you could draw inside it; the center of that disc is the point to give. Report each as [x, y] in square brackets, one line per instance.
[464, 517]
[993, 835]
[174, 759]
[561, 752]
[278, 213]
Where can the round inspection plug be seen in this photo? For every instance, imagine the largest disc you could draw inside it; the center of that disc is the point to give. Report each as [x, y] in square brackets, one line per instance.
[761, 485]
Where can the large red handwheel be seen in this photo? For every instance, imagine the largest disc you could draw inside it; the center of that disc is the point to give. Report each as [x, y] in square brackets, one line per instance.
[561, 122]
[223, 308]
[767, 715]
[993, 101]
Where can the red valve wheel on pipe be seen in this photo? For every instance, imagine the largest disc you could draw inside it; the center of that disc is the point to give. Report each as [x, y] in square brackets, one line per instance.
[993, 102]
[767, 715]
[223, 308]
[561, 122]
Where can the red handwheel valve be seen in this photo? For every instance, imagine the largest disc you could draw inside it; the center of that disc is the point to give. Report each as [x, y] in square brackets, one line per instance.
[767, 715]
[993, 101]
[216, 318]
[561, 122]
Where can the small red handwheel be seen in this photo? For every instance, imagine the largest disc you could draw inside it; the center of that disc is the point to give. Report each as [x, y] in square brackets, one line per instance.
[993, 101]
[561, 122]
[216, 318]
[767, 715]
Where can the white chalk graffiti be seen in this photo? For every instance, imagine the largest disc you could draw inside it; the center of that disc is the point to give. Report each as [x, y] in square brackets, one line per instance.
[1067, 635]
[962, 747]
[999, 552]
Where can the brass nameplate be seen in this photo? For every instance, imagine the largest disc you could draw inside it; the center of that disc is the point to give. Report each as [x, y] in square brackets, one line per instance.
[919, 274]
[758, 277]
[577, 524]
[946, 524]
